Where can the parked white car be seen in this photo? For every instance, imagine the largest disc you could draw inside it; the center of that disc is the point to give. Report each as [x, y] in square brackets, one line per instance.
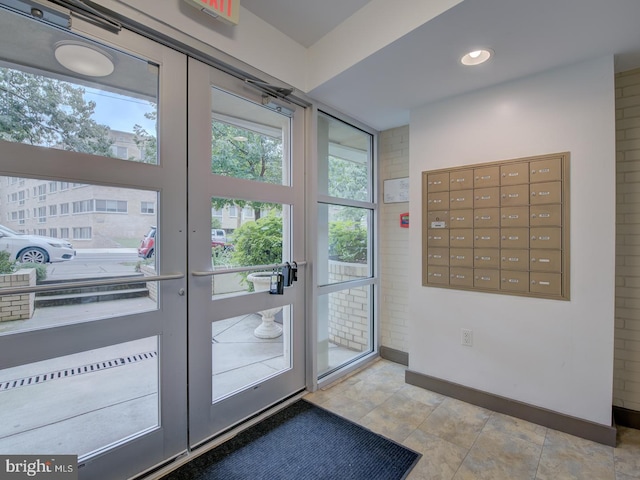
[34, 248]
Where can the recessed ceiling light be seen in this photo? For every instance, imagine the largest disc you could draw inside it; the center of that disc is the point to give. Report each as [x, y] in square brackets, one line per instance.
[83, 59]
[477, 57]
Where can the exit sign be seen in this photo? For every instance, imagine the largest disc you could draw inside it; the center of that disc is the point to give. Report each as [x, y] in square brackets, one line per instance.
[226, 10]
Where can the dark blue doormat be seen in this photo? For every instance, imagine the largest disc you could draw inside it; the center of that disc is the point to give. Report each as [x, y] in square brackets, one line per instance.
[302, 442]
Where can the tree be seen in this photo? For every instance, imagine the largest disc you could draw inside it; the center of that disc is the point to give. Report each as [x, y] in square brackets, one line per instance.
[348, 179]
[241, 153]
[146, 143]
[44, 111]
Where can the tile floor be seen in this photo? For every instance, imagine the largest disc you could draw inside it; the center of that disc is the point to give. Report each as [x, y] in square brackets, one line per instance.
[460, 441]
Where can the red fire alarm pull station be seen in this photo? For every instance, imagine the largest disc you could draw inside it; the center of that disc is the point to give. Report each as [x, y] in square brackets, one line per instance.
[404, 220]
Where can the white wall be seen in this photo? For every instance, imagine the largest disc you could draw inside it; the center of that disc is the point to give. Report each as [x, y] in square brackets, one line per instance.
[393, 159]
[549, 353]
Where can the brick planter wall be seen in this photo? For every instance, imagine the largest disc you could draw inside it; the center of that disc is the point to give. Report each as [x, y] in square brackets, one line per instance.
[17, 307]
[349, 309]
[150, 271]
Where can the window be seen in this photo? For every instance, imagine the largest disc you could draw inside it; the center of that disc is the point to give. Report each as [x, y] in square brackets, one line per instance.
[111, 206]
[64, 232]
[233, 211]
[53, 232]
[53, 210]
[53, 187]
[83, 206]
[21, 196]
[247, 212]
[345, 217]
[42, 192]
[64, 185]
[147, 207]
[42, 231]
[120, 152]
[42, 215]
[216, 212]
[64, 209]
[81, 233]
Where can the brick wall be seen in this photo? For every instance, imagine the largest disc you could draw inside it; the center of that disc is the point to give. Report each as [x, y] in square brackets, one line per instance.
[349, 309]
[626, 392]
[394, 244]
[17, 307]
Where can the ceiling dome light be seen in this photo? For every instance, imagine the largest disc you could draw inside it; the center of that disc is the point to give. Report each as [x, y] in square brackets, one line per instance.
[476, 57]
[84, 59]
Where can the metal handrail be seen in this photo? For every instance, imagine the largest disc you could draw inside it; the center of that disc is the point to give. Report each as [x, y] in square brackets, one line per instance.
[244, 269]
[94, 283]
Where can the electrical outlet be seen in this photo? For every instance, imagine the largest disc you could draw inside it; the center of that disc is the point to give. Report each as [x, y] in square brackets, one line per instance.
[467, 337]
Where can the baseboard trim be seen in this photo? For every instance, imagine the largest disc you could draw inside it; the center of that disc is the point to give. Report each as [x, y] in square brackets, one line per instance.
[626, 418]
[565, 423]
[393, 355]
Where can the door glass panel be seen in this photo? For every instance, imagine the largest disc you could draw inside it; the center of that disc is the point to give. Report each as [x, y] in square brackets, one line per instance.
[249, 141]
[346, 231]
[80, 403]
[250, 348]
[344, 165]
[245, 234]
[58, 232]
[344, 331]
[45, 103]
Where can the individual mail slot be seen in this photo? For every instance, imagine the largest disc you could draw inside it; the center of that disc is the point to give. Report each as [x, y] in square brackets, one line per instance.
[486, 278]
[486, 238]
[514, 238]
[438, 275]
[438, 256]
[461, 277]
[486, 217]
[461, 199]
[438, 182]
[486, 177]
[545, 216]
[546, 237]
[486, 258]
[438, 201]
[461, 257]
[437, 237]
[436, 217]
[545, 170]
[461, 180]
[461, 237]
[514, 281]
[546, 283]
[548, 192]
[514, 174]
[486, 197]
[545, 261]
[514, 259]
[461, 218]
[514, 195]
[514, 216]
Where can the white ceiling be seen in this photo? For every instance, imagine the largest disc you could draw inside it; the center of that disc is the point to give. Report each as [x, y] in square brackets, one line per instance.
[528, 36]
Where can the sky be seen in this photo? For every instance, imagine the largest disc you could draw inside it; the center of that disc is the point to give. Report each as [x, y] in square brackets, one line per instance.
[120, 112]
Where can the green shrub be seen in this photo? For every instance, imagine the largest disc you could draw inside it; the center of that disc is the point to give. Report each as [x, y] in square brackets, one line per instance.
[258, 243]
[6, 264]
[41, 270]
[347, 242]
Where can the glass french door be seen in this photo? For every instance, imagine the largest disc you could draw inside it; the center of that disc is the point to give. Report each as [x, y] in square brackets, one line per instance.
[93, 331]
[245, 215]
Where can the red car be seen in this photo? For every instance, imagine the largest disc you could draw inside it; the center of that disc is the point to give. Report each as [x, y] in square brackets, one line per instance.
[147, 245]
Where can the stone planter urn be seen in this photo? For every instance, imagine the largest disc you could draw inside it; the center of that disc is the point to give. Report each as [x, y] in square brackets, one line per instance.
[268, 328]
